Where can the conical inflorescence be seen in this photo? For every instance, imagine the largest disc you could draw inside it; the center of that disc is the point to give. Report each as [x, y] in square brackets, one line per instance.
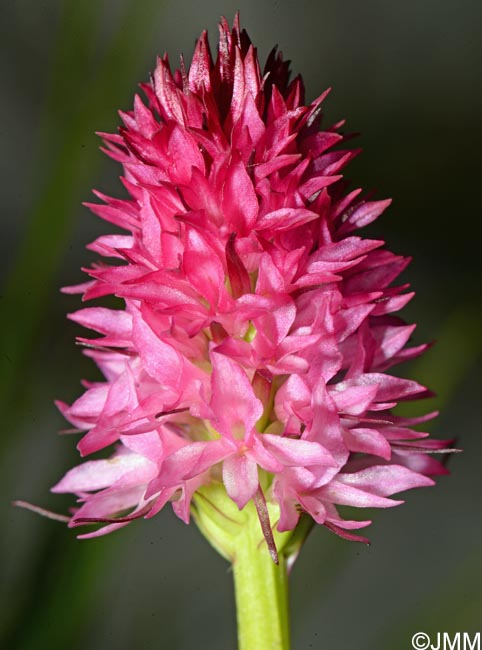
[258, 327]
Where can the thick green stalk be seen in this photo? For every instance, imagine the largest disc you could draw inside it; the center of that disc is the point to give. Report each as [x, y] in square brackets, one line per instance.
[261, 588]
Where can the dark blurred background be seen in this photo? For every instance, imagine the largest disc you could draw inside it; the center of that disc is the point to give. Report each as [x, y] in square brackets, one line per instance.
[404, 74]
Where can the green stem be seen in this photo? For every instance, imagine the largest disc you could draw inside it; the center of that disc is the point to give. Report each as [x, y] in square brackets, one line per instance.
[261, 588]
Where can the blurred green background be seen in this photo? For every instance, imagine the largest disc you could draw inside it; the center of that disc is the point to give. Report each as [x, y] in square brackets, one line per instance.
[407, 76]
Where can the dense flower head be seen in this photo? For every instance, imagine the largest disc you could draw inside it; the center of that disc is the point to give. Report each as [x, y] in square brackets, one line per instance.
[258, 325]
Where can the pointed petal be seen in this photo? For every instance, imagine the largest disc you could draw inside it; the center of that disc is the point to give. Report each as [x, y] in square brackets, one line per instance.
[99, 474]
[297, 452]
[385, 480]
[233, 401]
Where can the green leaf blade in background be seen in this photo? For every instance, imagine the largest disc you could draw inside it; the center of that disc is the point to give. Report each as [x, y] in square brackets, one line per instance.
[93, 95]
[84, 91]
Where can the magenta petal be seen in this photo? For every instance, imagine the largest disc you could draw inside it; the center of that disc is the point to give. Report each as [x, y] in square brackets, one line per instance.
[193, 459]
[182, 505]
[263, 457]
[202, 267]
[284, 219]
[109, 503]
[108, 321]
[368, 441]
[161, 360]
[238, 275]
[354, 400]
[90, 404]
[422, 464]
[233, 401]
[199, 72]
[240, 204]
[314, 507]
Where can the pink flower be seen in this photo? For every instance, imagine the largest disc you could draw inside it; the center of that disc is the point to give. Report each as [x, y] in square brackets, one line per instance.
[258, 327]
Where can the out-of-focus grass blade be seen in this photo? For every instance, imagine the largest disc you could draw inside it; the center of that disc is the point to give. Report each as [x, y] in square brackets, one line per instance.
[91, 106]
[55, 160]
[443, 369]
[93, 93]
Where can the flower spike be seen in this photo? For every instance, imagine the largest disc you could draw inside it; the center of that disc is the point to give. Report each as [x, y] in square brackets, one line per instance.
[258, 326]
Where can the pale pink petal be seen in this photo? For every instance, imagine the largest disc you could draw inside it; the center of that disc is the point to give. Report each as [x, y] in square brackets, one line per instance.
[240, 477]
[385, 480]
[297, 452]
[347, 495]
[99, 474]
